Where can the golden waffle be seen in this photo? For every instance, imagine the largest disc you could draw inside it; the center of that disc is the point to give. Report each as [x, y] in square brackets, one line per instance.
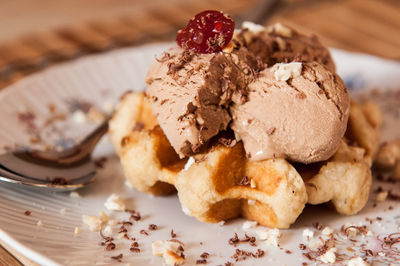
[222, 184]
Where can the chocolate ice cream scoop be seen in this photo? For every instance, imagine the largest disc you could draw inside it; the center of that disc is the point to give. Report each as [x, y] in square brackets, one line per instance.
[191, 93]
[297, 111]
[281, 44]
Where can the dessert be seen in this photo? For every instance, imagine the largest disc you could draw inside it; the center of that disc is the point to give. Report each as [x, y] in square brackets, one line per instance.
[254, 123]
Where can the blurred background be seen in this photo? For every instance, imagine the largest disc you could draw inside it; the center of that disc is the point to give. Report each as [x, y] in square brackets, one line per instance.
[40, 33]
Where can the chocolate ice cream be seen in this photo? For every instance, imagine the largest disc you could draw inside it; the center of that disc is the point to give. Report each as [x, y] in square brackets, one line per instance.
[277, 89]
[280, 44]
[191, 93]
[297, 111]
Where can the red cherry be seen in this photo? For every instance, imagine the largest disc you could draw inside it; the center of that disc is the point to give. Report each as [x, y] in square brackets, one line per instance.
[208, 32]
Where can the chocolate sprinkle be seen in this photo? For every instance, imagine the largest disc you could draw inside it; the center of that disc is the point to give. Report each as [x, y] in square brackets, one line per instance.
[144, 232]
[118, 258]
[152, 227]
[27, 213]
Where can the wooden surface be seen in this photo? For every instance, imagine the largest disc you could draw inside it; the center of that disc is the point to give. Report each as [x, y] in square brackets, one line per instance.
[41, 33]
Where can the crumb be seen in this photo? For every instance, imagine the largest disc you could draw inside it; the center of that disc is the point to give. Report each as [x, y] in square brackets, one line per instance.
[171, 251]
[381, 196]
[128, 184]
[249, 224]
[92, 222]
[77, 231]
[327, 231]
[112, 222]
[269, 236]
[251, 202]
[115, 203]
[252, 183]
[103, 217]
[108, 231]
[39, 223]
[74, 194]
[189, 163]
[307, 234]
[27, 213]
[329, 256]
[357, 262]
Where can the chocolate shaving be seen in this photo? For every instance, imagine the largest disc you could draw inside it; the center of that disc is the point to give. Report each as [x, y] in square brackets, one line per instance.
[202, 261]
[235, 240]
[185, 57]
[173, 235]
[110, 246]
[152, 227]
[138, 126]
[135, 250]
[227, 142]
[271, 131]
[118, 258]
[27, 213]
[327, 245]
[302, 246]
[134, 215]
[245, 181]
[144, 232]
[106, 238]
[204, 255]
[390, 240]
[99, 163]
[317, 225]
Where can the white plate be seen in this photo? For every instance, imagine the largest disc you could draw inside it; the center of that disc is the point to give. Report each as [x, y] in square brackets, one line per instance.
[101, 79]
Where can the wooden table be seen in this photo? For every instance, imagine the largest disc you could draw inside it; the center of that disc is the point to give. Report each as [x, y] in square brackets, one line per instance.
[74, 28]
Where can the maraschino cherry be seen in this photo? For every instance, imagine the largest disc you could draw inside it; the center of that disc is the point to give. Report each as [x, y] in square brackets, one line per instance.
[208, 32]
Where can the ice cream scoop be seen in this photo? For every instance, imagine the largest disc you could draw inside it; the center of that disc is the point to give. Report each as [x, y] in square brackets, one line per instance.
[297, 111]
[190, 93]
[279, 43]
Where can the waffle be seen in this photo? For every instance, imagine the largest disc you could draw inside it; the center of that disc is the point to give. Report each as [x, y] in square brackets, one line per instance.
[220, 183]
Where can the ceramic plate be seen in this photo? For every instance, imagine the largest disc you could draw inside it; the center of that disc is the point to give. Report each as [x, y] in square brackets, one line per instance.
[47, 109]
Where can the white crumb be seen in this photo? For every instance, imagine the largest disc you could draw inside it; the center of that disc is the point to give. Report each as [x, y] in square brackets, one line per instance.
[77, 230]
[112, 222]
[269, 236]
[79, 117]
[327, 231]
[307, 234]
[252, 183]
[74, 194]
[280, 29]
[185, 210]
[92, 222]
[108, 231]
[381, 196]
[115, 203]
[168, 250]
[249, 224]
[357, 262]
[253, 27]
[39, 223]
[285, 71]
[329, 256]
[128, 184]
[221, 223]
[103, 217]
[189, 163]
[251, 202]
